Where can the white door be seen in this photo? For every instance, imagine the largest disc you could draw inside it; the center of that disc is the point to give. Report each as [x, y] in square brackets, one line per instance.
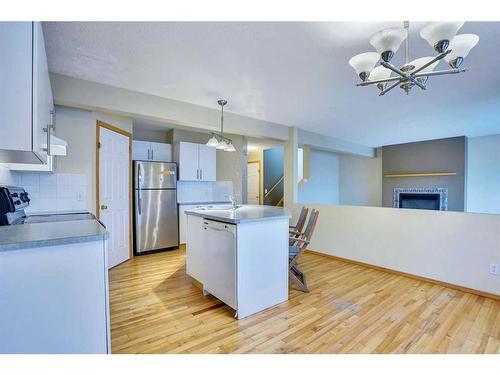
[114, 193]
[208, 162]
[253, 182]
[188, 162]
[140, 150]
[161, 151]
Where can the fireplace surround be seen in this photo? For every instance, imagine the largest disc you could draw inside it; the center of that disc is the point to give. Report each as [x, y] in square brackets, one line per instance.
[421, 198]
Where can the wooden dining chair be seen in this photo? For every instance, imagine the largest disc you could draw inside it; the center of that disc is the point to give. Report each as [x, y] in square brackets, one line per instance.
[298, 243]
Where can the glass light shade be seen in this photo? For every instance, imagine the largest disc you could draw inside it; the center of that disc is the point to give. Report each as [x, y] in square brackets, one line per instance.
[389, 39]
[213, 142]
[380, 72]
[461, 45]
[435, 32]
[417, 63]
[364, 62]
[222, 145]
[230, 148]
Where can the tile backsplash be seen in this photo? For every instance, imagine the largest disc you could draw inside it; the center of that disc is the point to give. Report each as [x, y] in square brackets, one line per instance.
[54, 191]
[203, 191]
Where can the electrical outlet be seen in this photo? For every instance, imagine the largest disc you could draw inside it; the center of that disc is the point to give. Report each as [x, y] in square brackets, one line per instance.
[494, 269]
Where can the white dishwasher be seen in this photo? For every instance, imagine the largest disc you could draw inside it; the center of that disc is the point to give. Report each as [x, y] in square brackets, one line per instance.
[220, 261]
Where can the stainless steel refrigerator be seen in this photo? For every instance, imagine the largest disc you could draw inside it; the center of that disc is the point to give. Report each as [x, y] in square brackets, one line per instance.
[156, 224]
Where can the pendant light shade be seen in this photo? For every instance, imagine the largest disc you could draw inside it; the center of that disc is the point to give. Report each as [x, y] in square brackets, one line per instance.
[364, 63]
[212, 142]
[387, 41]
[230, 148]
[439, 34]
[460, 47]
[380, 72]
[222, 145]
[417, 63]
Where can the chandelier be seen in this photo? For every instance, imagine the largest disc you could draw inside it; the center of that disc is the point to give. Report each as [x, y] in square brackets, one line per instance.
[440, 35]
[218, 140]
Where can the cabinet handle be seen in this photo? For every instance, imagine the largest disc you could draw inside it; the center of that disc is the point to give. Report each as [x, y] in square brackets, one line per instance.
[201, 174]
[149, 158]
[47, 130]
[152, 154]
[197, 174]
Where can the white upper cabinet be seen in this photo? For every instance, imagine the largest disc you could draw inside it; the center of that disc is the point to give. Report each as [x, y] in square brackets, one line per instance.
[153, 151]
[208, 163]
[161, 151]
[26, 103]
[140, 150]
[43, 102]
[197, 162]
[188, 161]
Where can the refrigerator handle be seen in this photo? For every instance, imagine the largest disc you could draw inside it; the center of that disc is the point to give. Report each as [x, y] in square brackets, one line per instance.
[139, 194]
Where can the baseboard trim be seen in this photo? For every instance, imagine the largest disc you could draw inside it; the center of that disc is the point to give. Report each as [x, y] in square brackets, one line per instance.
[421, 278]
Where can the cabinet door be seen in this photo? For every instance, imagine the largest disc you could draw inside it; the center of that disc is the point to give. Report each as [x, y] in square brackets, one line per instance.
[141, 150]
[195, 248]
[15, 87]
[183, 221]
[161, 151]
[188, 161]
[43, 103]
[208, 163]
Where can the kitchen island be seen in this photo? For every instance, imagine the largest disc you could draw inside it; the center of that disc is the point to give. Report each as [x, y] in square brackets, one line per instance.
[240, 255]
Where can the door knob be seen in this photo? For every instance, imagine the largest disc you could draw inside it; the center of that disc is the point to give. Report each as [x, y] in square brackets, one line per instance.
[104, 207]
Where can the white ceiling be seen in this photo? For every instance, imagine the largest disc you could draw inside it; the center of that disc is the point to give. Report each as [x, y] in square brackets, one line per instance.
[293, 73]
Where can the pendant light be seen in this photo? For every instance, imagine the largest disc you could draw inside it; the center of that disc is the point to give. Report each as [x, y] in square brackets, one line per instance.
[218, 140]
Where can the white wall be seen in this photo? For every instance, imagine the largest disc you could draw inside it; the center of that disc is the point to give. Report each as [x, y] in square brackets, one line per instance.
[78, 128]
[322, 185]
[7, 177]
[361, 180]
[453, 247]
[483, 174]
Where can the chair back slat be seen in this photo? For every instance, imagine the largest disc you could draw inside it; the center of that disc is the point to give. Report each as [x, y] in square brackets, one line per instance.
[302, 219]
[311, 224]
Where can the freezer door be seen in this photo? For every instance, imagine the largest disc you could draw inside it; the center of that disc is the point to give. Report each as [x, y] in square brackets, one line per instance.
[156, 224]
[154, 175]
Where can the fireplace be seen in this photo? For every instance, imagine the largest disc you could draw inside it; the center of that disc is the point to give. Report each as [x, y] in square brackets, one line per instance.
[421, 198]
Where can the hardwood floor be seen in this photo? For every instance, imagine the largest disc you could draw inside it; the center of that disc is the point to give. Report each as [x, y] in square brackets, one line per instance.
[350, 309]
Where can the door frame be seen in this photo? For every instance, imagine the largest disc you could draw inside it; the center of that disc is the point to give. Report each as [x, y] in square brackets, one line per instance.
[99, 125]
[261, 198]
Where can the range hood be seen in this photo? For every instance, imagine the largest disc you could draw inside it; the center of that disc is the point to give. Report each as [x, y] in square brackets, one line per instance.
[57, 146]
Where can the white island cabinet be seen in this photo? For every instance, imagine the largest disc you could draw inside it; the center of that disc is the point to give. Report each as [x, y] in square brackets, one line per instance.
[240, 256]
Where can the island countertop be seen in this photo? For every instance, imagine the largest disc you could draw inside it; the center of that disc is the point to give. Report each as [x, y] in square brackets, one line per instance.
[24, 236]
[242, 214]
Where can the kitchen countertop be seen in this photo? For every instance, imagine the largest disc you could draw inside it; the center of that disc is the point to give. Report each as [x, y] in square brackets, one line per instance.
[203, 203]
[243, 214]
[24, 236]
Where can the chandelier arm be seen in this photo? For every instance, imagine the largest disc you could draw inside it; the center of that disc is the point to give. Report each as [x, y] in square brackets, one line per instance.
[440, 72]
[386, 90]
[437, 58]
[402, 74]
[366, 83]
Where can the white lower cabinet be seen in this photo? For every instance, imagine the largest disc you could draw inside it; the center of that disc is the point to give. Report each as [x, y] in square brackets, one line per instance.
[194, 248]
[54, 299]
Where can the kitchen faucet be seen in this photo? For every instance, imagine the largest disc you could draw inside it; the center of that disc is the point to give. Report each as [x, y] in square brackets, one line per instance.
[232, 200]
